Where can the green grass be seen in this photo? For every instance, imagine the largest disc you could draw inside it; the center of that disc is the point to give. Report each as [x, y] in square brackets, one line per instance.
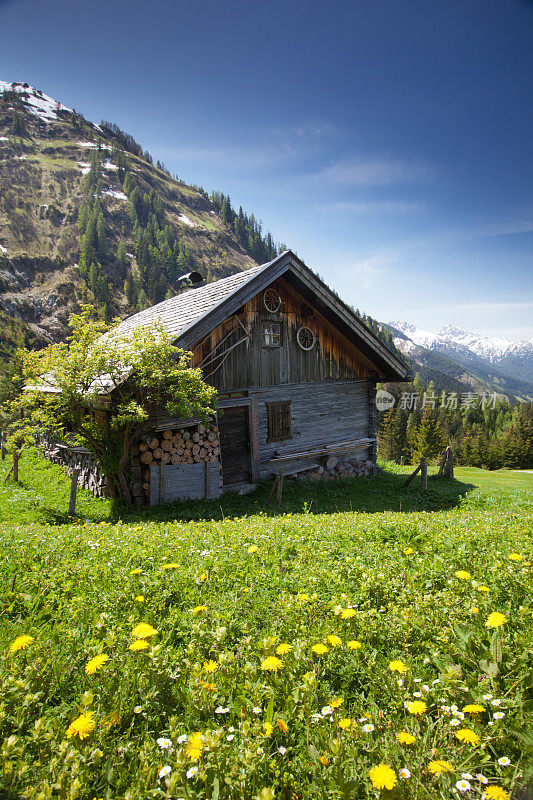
[228, 582]
[501, 478]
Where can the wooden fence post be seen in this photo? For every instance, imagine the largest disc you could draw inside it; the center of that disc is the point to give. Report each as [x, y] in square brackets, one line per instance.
[280, 487]
[73, 490]
[448, 469]
[16, 466]
[3, 446]
[410, 478]
[424, 474]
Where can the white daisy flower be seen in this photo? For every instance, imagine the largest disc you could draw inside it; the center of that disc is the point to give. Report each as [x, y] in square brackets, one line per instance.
[182, 739]
[417, 680]
[481, 778]
[499, 715]
[504, 761]
[165, 771]
[326, 711]
[496, 702]
[455, 722]
[256, 710]
[488, 696]
[221, 710]
[137, 709]
[259, 751]
[164, 744]
[459, 714]
[192, 772]
[426, 660]
[467, 776]
[368, 728]
[425, 687]
[405, 774]
[454, 708]
[463, 785]
[282, 750]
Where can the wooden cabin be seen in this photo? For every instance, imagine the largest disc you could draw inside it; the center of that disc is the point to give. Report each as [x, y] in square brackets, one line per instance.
[295, 370]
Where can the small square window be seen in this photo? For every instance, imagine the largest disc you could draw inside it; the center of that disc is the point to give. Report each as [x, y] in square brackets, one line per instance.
[279, 421]
[271, 334]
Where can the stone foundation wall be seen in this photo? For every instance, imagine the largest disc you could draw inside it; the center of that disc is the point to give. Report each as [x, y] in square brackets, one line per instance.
[339, 467]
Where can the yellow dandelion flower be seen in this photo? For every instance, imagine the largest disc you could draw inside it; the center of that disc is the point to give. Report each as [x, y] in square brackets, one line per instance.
[143, 631]
[268, 729]
[194, 747]
[496, 793]
[140, 644]
[253, 548]
[283, 648]
[335, 641]
[463, 575]
[417, 707]
[210, 666]
[271, 664]
[353, 644]
[515, 557]
[483, 589]
[475, 610]
[198, 609]
[140, 598]
[398, 666]
[95, 663]
[382, 777]
[170, 566]
[405, 738]
[20, 643]
[324, 760]
[338, 701]
[319, 649]
[282, 725]
[136, 571]
[345, 723]
[408, 551]
[473, 708]
[82, 726]
[348, 613]
[436, 767]
[495, 620]
[468, 736]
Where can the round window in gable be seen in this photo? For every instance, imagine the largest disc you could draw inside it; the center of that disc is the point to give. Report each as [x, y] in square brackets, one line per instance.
[272, 300]
[306, 338]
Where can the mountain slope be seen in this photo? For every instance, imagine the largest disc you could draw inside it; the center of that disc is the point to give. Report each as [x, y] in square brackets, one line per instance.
[448, 360]
[86, 216]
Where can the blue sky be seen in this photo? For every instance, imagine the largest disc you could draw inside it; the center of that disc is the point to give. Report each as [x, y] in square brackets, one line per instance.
[388, 142]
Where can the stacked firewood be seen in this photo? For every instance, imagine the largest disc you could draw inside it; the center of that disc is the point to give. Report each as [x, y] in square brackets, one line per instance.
[183, 446]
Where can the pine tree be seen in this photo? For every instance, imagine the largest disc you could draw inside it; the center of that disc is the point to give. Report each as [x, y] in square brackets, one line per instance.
[429, 440]
[390, 439]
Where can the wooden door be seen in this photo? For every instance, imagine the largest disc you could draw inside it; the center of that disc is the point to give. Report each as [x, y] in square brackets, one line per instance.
[235, 445]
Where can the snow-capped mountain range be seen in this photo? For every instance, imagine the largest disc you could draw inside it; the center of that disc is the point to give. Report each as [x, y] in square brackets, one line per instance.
[512, 358]
[490, 348]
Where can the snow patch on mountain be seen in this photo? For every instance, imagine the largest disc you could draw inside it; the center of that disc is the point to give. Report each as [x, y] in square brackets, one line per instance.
[35, 101]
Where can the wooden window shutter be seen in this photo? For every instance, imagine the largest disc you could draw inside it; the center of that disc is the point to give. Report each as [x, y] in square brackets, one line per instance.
[279, 421]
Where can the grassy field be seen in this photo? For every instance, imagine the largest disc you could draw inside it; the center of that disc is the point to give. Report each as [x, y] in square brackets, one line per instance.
[501, 478]
[331, 648]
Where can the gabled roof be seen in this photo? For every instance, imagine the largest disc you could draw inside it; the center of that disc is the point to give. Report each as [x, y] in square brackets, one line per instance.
[190, 316]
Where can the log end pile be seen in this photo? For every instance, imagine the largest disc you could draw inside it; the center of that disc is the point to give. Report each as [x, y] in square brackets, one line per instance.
[338, 467]
[193, 445]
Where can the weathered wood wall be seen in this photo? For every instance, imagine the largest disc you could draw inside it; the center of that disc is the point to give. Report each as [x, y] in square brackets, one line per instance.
[233, 355]
[320, 413]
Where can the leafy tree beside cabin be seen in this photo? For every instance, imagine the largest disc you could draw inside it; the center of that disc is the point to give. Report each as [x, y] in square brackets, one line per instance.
[97, 389]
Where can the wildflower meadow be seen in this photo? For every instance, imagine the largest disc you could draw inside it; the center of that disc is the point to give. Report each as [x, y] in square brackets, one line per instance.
[292, 655]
